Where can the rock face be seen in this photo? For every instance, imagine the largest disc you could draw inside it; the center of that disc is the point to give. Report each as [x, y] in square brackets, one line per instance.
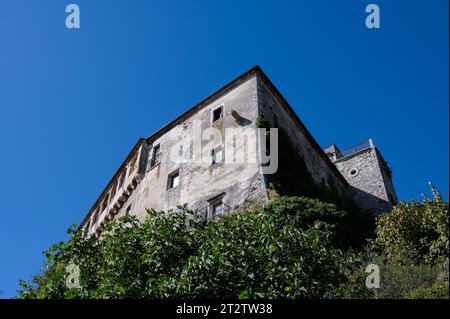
[212, 159]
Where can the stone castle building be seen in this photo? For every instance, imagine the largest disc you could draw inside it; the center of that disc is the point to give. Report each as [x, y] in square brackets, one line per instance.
[148, 178]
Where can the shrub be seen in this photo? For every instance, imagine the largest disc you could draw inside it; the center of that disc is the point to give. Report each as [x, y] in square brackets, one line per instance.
[283, 250]
[415, 231]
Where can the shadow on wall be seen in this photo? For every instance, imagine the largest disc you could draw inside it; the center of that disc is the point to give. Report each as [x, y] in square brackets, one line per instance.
[370, 203]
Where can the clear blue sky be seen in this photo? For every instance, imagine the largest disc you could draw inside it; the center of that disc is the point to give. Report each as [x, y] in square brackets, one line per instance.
[74, 102]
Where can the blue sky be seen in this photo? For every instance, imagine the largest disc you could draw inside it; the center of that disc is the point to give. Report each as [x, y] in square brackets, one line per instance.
[74, 102]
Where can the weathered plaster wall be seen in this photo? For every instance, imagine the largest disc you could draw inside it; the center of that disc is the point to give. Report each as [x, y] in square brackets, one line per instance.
[242, 183]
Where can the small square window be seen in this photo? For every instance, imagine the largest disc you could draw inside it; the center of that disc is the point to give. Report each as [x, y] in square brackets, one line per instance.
[174, 180]
[217, 155]
[217, 114]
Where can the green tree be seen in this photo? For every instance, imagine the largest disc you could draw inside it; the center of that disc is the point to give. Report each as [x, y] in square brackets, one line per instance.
[284, 250]
[415, 231]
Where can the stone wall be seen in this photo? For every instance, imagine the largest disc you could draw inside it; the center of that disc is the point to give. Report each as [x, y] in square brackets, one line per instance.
[363, 172]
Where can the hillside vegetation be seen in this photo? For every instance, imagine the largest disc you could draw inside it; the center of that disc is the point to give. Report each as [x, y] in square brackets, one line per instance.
[293, 247]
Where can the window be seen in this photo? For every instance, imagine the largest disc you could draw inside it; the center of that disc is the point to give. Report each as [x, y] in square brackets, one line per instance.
[156, 158]
[127, 212]
[217, 114]
[217, 155]
[217, 209]
[173, 180]
[353, 172]
[216, 206]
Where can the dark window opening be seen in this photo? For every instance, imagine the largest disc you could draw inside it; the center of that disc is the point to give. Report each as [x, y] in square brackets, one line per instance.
[156, 158]
[127, 212]
[217, 114]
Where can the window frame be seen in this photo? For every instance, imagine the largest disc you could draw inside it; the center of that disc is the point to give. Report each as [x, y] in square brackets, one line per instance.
[213, 208]
[214, 152]
[170, 179]
[155, 152]
[222, 112]
[213, 203]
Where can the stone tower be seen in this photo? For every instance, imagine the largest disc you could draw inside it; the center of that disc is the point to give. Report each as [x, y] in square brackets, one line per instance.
[368, 174]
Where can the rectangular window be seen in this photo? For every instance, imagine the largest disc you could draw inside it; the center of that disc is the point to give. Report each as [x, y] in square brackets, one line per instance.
[173, 180]
[217, 155]
[127, 212]
[217, 209]
[156, 158]
[217, 114]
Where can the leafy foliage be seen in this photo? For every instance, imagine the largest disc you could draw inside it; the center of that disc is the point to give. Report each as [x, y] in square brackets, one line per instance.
[415, 231]
[439, 290]
[290, 248]
[283, 250]
[404, 280]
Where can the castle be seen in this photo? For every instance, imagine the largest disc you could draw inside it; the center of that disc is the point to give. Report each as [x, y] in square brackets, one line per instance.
[150, 178]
